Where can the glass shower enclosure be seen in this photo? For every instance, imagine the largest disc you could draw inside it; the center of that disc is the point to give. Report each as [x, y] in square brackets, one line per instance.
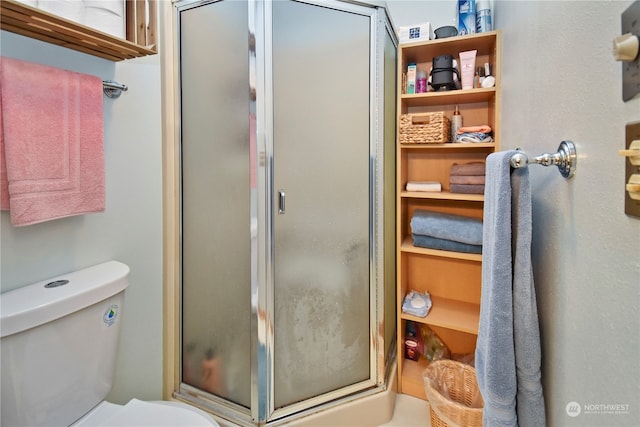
[287, 154]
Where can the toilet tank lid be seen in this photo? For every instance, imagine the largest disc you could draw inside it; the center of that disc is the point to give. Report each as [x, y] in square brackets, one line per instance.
[32, 305]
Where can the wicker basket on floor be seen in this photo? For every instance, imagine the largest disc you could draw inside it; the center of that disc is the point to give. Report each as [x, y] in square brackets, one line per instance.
[424, 128]
[453, 394]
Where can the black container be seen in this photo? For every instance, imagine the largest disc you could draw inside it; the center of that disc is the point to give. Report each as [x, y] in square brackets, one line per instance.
[442, 73]
[446, 31]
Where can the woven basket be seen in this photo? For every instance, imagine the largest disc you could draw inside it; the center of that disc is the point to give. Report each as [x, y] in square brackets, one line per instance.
[424, 128]
[453, 394]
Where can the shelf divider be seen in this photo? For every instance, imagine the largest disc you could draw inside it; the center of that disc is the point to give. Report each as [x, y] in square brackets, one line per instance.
[407, 246]
[443, 195]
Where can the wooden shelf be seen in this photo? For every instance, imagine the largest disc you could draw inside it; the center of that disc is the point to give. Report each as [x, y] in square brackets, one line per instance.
[462, 96]
[451, 314]
[424, 51]
[407, 246]
[479, 146]
[443, 195]
[37, 24]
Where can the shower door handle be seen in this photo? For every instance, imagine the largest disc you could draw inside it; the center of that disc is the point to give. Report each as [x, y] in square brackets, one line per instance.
[281, 205]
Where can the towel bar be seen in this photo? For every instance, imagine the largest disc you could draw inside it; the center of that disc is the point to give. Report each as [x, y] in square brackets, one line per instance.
[565, 159]
[113, 89]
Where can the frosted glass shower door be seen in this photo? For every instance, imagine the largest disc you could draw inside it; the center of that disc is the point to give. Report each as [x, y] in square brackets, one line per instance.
[321, 137]
[216, 196]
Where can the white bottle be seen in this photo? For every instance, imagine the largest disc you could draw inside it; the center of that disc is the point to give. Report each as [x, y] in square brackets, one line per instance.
[483, 16]
[456, 123]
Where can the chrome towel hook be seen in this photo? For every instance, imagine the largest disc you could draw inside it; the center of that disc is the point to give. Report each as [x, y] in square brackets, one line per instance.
[565, 159]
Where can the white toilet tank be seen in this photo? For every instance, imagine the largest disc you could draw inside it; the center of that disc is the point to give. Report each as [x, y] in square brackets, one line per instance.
[59, 341]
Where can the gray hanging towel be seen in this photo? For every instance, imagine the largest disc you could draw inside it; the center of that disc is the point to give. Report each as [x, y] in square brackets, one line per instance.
[508, 354]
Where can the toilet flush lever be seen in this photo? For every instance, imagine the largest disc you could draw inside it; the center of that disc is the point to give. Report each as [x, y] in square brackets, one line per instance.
[281, 198]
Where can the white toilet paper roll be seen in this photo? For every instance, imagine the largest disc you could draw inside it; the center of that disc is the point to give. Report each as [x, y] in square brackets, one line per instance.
[109, 20]
[115, 6]
[32, 3]
[69, 9]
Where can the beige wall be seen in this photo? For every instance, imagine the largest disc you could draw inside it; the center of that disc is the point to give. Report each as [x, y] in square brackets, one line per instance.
[561, 82]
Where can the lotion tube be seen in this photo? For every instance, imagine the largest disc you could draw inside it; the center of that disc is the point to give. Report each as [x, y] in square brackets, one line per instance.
[467, 68]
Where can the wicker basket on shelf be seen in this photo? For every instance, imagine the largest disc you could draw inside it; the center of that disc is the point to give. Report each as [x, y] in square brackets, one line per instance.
[424, 128]
[453, 394]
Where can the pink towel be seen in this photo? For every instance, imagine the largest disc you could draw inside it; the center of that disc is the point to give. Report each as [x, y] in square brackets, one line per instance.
[481, 128]
[52, 131]
[4, 181]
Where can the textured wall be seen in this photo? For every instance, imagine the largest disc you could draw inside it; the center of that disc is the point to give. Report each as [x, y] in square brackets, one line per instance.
[560, 82]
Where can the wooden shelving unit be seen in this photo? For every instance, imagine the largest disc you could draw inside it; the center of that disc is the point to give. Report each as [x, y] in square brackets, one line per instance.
[28, 21]
[453, 279]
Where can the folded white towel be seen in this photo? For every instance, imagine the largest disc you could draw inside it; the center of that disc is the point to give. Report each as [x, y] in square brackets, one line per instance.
[426, 186]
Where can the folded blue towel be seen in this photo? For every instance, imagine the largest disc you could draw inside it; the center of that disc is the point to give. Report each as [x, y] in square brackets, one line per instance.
[474, 137]
[447, 226]
[444, 244]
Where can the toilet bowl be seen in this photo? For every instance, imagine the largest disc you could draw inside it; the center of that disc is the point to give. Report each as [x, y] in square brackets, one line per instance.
[137, 413]
[58, 343]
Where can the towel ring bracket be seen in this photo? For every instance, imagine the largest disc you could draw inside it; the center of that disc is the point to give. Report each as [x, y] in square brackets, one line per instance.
[113, 89]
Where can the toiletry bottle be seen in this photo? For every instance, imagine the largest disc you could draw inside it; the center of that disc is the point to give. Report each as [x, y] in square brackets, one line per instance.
[456, 123]
[467, 68]
[421, 81]
[466, 17]
[411, 77]
[483, 16]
